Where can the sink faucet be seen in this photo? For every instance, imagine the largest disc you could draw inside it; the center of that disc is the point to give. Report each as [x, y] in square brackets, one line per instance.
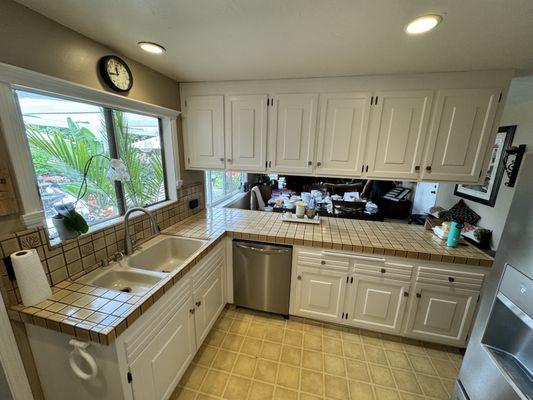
[128, 242]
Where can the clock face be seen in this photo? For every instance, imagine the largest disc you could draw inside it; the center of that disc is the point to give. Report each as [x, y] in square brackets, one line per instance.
[116, 73]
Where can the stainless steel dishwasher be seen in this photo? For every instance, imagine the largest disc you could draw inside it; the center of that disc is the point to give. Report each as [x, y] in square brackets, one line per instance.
[262, 276]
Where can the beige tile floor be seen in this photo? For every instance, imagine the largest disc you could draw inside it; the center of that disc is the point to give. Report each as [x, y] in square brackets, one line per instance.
[250, 355]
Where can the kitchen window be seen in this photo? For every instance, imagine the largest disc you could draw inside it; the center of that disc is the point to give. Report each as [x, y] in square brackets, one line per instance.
[221, 185]
[64, 135]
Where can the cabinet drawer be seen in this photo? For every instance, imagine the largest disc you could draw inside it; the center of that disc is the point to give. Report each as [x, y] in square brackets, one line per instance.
[322, 260]
[387, 270]
[448, 277]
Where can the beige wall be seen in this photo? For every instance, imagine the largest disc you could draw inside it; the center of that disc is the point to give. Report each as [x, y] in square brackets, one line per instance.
[32, 41]
[494, 218]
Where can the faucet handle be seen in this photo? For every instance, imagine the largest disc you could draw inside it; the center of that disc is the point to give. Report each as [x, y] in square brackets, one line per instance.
[118, 256]
[104, 262]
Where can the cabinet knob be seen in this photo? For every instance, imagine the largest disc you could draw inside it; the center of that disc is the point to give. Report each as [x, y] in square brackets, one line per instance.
[229, 160]
[405, 294]
[323, 262]
[309, 163]
[417, 168]
[191, 310]
[221, 159]
[451, 279]
[318, 164]
[383, 270]
[418, 295]
[198, 303]
[299, 277]
[428, 168]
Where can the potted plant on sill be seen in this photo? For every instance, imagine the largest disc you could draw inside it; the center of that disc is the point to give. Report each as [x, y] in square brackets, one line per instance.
[68, 222]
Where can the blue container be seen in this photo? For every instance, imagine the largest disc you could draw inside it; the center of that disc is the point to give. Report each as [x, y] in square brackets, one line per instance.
[454, 234]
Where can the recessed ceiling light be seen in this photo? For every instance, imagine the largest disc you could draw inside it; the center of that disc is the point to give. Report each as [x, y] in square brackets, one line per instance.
[423, 24]
[150, 47]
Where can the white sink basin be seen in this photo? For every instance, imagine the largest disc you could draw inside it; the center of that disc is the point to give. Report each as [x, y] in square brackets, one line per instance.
[164, 253]
[122, 279]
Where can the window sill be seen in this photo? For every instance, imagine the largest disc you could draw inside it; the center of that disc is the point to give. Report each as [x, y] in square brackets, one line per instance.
[109, 223]
[229, 200]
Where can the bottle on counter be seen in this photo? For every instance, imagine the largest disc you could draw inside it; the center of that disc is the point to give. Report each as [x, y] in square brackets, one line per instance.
[454, 234]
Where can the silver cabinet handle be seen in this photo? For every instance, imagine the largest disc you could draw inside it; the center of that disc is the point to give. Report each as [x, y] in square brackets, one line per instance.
[260, 250]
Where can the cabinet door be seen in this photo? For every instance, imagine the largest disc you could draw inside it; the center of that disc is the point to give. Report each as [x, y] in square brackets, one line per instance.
[246, 132]
[342, 133]
[461, 129]
[377, 303]
[441, 313]
[292, 133]
[203, 127]
[159, 367]
[320, 293]
[209, 301]
[396, 140]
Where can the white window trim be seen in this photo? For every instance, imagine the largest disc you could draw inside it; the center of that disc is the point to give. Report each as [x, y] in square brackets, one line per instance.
[12, 126]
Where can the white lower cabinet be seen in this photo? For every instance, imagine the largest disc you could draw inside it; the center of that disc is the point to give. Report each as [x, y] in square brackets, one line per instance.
[160, 365]
[441, 313]
[434, 302]
[320, 293]
[377, 303]
[208, 293]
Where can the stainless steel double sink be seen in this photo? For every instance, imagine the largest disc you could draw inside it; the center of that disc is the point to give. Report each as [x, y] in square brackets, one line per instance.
[149, 264]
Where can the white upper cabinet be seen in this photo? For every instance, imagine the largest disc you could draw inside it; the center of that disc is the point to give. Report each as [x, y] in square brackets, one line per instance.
[246, 132]
[292, 133]
[204, 132]
[342, 133]
[461, 129]
[399, 124]
[385, 127]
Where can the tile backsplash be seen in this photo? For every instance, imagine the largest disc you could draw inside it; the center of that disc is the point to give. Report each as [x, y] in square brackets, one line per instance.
[76, 257]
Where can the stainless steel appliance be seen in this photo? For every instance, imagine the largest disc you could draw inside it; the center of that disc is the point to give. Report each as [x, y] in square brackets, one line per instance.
[498, 363]
[262, 276]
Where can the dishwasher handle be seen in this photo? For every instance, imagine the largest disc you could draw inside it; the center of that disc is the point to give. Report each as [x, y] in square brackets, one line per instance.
[260, 250]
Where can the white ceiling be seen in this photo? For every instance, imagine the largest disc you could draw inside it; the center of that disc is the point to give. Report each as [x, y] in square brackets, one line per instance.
[259, 39]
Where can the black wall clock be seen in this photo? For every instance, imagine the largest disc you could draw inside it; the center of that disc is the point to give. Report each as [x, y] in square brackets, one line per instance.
[115, 73]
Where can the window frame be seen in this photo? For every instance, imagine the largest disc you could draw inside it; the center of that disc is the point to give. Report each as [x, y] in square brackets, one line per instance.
[209, 189]
[15, 78]
[111, 133]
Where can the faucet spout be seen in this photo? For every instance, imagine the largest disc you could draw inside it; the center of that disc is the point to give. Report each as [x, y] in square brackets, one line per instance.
[128, 242]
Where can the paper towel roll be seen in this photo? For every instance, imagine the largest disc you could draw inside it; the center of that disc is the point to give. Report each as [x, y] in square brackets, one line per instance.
[31, 278]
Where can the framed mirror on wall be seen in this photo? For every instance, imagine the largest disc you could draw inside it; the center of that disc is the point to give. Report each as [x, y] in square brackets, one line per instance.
[487, 192]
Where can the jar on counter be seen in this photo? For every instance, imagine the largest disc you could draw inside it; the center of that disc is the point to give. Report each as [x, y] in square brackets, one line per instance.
[300, 209]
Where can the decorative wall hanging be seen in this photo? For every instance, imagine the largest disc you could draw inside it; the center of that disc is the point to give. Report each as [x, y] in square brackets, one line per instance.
[487, 192]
